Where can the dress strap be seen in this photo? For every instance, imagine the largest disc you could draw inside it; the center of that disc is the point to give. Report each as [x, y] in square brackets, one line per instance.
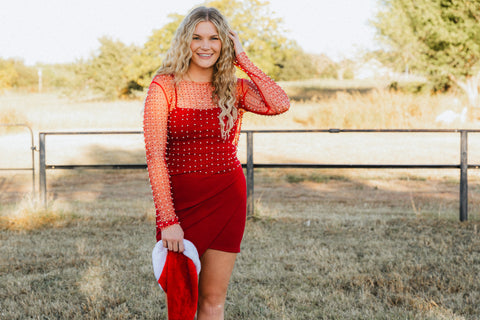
[176, 96]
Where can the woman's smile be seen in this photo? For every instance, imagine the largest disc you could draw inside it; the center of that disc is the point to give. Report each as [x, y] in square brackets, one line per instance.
[205, 46]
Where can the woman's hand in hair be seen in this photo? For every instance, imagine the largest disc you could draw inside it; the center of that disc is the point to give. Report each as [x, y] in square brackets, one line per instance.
[236, 42]
[172, 238]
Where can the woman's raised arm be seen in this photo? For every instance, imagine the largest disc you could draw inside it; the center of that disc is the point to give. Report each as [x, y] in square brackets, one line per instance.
[261, 94]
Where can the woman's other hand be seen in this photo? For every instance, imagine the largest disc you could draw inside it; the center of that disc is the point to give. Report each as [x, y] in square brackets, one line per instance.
[172, 238]
[236, 42]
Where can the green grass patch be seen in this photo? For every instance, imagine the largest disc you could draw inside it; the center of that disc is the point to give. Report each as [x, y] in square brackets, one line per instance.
[312, 177]
[412, 178]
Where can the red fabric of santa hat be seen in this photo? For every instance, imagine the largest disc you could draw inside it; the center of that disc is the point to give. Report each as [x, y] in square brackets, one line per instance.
[177, 275]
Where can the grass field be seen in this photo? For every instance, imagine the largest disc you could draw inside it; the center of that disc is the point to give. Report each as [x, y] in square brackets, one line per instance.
[323, 244]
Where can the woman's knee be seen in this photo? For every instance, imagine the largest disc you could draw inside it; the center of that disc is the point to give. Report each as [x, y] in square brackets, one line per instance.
[212, 304]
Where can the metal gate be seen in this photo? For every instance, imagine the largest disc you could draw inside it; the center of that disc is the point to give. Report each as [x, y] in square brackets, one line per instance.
[32, 148]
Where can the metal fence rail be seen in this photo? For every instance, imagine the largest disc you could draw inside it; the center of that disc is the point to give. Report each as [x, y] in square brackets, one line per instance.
[32, 148]
[463, 166]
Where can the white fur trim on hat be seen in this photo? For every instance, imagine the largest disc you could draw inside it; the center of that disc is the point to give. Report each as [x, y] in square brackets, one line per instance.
[159, 257]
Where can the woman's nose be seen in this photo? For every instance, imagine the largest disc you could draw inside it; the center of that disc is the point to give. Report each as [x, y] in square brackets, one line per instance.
[205, 44]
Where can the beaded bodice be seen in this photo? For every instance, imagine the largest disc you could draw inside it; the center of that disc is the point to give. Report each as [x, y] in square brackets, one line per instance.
[182, 129]
[195, 144]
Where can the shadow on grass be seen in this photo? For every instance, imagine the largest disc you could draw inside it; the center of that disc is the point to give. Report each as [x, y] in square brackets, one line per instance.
[90, 185]
[315, 193]
[99, 154]
[14, 186]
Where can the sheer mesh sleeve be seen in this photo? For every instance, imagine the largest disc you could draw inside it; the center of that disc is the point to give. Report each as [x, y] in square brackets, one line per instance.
[155, 121]
[260, 95]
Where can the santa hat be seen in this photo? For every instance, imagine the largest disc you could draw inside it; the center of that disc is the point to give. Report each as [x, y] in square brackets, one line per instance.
[177, 275]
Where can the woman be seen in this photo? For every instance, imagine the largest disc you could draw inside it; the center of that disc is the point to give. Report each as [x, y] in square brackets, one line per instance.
[192, 119]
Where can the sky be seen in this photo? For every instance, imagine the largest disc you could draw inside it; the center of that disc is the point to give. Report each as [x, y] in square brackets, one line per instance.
[60, 31]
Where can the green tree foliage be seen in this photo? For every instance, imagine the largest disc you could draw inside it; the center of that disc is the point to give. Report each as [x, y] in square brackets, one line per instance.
[62, 76]
[393, 31]
[8, 74]
[15, 74]
[148, 59]
[324, 66]
[439, 38]
[107, 71]
[262, 35]
[117, 70]
[27, 75]
[67, 77]
[293, 63]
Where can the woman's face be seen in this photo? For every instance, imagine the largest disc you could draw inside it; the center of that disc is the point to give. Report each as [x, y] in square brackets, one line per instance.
[205, 46]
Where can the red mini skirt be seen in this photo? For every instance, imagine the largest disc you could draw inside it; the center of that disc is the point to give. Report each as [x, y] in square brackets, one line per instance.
[211, 209]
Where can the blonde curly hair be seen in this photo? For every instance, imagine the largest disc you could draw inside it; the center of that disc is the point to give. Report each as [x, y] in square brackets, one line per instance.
[177, 61]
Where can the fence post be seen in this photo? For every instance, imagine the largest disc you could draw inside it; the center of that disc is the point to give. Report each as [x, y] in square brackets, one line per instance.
[250, 208]
[32, 147]
[463, 175]
[42, 170]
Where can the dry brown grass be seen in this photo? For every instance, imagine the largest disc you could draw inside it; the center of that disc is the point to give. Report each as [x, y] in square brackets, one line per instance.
[368, 109]
[323, 104]
[323, 244]
[30, 214]
[46, 112]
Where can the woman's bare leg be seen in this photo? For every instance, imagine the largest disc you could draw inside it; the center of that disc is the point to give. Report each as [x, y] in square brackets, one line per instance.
[217, 267]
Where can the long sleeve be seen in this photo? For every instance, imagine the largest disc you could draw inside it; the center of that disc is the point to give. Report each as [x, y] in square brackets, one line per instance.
[155, 121]
[260, 95]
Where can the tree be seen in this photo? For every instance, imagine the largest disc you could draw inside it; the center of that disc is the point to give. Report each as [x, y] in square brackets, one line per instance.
[260, 31]
[106, 72]
[439, 38]
[325, 67]
[8, 74]
[147, 60]
[263, 38]
[15, 74]
[294, 64]
[400, 40]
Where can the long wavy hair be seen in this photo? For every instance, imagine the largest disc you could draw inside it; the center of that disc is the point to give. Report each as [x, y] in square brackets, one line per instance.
[178, 56]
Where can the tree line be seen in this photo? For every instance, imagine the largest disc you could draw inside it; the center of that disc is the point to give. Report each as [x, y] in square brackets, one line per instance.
[439, 39]
[118, 70]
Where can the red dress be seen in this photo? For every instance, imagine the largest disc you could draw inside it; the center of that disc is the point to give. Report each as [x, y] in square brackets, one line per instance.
[196, 177]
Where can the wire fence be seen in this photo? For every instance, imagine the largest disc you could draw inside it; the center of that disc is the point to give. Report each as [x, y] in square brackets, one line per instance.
[463, 166]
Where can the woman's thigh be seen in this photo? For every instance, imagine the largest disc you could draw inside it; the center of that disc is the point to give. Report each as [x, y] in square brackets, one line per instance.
[217, 267]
